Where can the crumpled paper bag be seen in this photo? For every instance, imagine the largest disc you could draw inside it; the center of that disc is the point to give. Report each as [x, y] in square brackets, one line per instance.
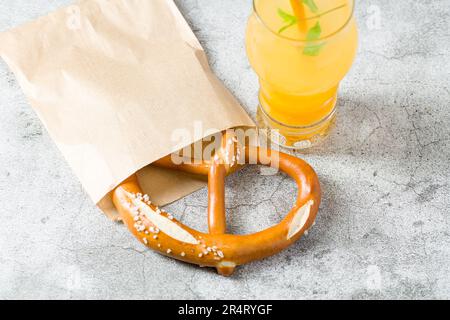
[112, 80]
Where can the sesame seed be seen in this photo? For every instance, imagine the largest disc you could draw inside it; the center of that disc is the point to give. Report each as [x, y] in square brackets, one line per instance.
[205, 253]
[200, 255]
[155, 237]
[145, 240]
[209, 249]
[220, 253]
[306, 232]
[170, 217]
[159, 245]
[139, 195]
[169, 251]
[182, 254]
[146, 197]
[136, 218]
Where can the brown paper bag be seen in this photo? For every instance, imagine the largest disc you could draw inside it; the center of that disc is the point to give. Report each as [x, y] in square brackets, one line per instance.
[112, 80]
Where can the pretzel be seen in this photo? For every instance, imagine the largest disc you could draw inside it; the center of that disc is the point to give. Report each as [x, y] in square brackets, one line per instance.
[160, 231]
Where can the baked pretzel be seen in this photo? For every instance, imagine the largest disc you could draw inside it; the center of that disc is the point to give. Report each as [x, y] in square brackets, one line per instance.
[160, 231]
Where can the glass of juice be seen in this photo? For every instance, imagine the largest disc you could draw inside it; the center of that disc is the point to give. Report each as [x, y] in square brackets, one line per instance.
[301, 50]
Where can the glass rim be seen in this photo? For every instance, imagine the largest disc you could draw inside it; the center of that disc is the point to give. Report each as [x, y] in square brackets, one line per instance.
[261, 20]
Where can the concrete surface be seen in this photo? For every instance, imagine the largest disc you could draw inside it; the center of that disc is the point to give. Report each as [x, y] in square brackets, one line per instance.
[383, 229]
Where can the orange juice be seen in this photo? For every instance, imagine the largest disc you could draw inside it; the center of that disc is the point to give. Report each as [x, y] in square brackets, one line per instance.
[301, 50]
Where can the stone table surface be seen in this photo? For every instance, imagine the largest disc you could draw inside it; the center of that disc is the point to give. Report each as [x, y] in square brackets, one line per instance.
[383, 228]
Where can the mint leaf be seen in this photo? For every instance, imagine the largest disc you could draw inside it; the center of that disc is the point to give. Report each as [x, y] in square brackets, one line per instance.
[288, 18]
[282, 29]
[311, 5]
[312, 48]
[314, 32]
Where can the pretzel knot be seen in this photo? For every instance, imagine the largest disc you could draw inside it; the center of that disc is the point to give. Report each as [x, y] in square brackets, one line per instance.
[160, 231]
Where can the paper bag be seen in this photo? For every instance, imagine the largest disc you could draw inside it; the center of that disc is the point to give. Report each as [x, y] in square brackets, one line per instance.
[112, 80]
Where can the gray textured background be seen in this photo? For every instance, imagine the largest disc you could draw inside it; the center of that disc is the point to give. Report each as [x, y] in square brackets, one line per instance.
[383, 229]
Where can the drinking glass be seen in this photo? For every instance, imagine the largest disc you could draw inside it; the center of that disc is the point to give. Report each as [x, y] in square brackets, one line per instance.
[300, 50]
